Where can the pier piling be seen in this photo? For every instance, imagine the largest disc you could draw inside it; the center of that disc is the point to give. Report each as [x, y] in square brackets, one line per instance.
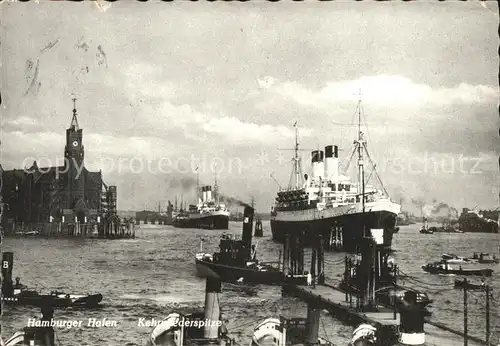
[286, 255]
[212, 308]
[312, 324]
[466, 331]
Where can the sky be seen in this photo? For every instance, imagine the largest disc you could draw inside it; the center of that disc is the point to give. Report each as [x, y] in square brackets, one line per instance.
[167, 92]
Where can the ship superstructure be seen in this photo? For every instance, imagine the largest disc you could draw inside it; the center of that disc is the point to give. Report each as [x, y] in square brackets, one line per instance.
[332, 204]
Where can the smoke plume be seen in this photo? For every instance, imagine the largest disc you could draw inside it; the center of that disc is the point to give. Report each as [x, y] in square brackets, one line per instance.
[233, 201]
[441, 211]
[184, 183]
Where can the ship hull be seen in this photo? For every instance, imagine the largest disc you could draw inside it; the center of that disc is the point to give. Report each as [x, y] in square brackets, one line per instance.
[478, 226]
[350, 221]
[219, 221]
[89, 301]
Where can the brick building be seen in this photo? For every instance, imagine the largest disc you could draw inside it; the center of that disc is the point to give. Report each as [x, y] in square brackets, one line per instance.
[57, 194]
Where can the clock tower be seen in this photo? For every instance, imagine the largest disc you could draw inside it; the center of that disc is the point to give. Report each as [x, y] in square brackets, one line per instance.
[73, 154]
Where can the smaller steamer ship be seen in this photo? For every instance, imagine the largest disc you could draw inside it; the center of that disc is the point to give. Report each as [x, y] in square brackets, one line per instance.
[474, 221]
[209, 213]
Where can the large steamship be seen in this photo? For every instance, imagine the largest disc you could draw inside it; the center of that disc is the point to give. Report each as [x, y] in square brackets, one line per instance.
[209, 213]
[329, 203]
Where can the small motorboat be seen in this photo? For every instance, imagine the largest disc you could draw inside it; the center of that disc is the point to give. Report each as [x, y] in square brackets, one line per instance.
[281, 332]
[454, 259]
[469, 285]
[444, 268]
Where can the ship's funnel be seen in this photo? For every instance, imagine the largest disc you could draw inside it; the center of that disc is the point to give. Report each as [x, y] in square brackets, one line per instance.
[247, 231]
[209, 193]
[318, 165]
[331, 162]
[212, 308]
[204, 193]
[7, 262]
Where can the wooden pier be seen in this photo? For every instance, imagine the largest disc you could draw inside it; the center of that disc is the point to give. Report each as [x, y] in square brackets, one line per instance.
[334, 301]
[364, 308]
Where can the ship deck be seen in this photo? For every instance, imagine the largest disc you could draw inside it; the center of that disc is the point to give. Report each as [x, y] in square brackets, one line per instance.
[335, 302]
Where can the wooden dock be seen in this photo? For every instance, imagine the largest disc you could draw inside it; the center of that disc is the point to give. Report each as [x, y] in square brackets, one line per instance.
[336, 303]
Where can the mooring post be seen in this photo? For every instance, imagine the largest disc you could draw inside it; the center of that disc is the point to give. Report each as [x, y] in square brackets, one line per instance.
[347, 279]
[313, 262]
[301, 253]
[373, 272]
[279, 261]
[321, 260]
[7, 263]
[312, 324]
[466, 337]
[487, 288]
[212, 308]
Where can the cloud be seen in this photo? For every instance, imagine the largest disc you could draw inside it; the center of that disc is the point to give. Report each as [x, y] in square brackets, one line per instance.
[381, 91]
[239, 131]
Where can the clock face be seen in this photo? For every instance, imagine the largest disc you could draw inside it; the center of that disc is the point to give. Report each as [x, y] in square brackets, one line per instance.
[75, 143]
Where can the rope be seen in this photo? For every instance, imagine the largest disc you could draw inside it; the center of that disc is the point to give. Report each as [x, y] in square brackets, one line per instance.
[410, 278]
[326, 334]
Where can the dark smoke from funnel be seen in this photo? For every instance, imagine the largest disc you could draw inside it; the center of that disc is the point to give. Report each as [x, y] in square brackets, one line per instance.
[233, 201]
[184, 183]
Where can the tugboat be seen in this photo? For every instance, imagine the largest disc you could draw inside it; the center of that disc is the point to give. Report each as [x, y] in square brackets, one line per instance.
[443, 268]
[201, 328]
[282, 332]
[425, 228]
[329, 202]
[18, 294]
[236, 261]
[258, 229]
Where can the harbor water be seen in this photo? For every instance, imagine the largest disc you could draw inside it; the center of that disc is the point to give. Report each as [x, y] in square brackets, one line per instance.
[148, 277]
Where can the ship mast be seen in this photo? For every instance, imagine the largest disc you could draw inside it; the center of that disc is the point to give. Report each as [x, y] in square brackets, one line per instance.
[360, 143]
[197, 185]
[216, 192]
[296, 157]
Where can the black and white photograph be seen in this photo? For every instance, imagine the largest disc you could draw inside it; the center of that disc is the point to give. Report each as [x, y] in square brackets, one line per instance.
[250, 173]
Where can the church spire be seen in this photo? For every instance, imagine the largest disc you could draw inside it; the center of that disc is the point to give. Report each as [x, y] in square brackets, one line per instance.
[74, 121]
